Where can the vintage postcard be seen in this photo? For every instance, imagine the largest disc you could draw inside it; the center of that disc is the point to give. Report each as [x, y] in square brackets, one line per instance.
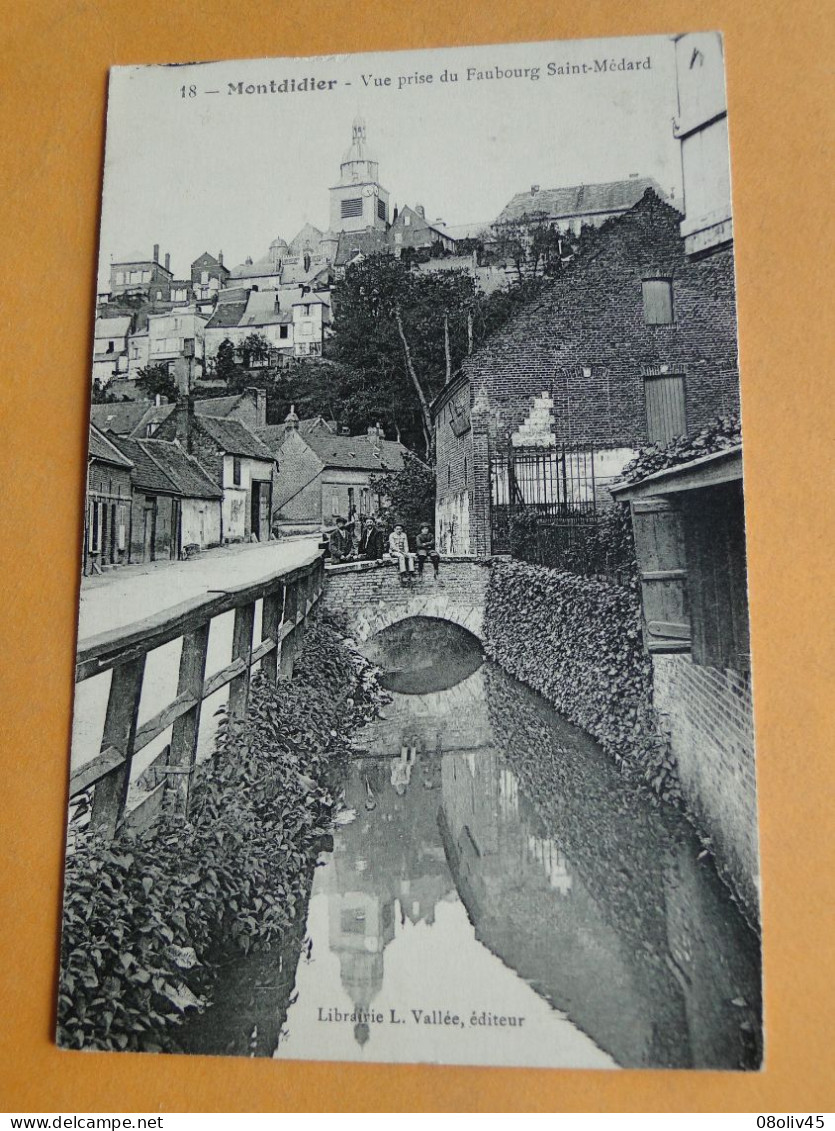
[413, 715]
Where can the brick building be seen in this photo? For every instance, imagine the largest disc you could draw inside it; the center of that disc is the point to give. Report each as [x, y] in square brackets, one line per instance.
[633, 343]
[689, 524]
[108, 511]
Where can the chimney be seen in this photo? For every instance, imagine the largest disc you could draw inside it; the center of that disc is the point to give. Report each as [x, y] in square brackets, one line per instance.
[167, 261]
[156, 253]
[260, 407]
[421, 211]
[220, 258]
[184, 423]
[291, 420]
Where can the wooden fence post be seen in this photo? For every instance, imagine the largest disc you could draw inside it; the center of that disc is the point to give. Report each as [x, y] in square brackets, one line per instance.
[241, 650]
[270, 627]
[186, 729]
[303, 587]
[111, 792]
[288, 644]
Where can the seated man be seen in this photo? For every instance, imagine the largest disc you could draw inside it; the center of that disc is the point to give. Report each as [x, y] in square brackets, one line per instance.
[426, 548]
[372, 541]
[340, 543]
[399, 550]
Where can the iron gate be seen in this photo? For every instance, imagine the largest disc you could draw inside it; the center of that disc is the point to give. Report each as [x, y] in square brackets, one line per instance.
[544, 505]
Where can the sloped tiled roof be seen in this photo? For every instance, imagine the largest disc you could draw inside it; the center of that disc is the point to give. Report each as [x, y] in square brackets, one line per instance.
[147, 473]
[120, 418]
[188, 476]
[579, 200]
[219, 406]
[104, 450]
[115, 327]
[274, 435]
[226, 314]
[235, 438]
[371, 241]
[152, 418]
[360, 452]
[261, 309]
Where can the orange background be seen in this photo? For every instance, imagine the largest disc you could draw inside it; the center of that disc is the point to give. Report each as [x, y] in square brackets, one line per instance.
[55, 57]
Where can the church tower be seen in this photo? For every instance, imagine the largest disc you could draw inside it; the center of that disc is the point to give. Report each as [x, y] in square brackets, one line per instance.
[359, 201]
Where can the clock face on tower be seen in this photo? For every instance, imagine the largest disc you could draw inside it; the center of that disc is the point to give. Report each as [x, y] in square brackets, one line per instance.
[368, 190]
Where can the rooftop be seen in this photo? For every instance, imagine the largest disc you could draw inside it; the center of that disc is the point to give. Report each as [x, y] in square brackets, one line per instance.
[105, 451]
[578, 200]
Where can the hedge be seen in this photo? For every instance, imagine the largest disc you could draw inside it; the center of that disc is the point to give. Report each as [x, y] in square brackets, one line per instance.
[148, 917]
[577, 641]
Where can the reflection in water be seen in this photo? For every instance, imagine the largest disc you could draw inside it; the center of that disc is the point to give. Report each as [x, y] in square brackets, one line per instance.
[424, 654]
[495, 867]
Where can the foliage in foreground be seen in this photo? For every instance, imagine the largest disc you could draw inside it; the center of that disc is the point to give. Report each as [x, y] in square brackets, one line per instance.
[598, 675]
[148, 918]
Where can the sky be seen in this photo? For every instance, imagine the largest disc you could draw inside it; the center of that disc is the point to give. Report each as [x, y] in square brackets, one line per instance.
[229, 171]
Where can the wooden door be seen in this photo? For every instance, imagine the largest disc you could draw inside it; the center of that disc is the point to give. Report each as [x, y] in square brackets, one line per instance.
[660, 548]
[149, 531]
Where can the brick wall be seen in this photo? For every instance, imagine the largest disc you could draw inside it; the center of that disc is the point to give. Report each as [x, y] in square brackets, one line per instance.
[709, 715]
[454, 461]
[163, 530]
[372, 597]
[587, 344]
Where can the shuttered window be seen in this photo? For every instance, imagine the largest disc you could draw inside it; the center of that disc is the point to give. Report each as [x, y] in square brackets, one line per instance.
[658, 301]
[666, 407]
[352, 207]
[381, 209]
[660, 549]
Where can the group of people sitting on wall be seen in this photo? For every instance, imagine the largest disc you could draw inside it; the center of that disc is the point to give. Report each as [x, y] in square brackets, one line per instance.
[366, 540]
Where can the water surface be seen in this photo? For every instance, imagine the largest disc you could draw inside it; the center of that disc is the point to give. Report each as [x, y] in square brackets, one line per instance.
[496, 894]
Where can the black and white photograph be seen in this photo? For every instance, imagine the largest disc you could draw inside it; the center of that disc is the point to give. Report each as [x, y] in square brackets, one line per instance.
[413, 690]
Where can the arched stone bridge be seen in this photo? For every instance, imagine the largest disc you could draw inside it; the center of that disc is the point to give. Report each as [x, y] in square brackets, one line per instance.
[371, 596]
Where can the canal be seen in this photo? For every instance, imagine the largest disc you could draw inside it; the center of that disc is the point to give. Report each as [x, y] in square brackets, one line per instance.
[496, 893]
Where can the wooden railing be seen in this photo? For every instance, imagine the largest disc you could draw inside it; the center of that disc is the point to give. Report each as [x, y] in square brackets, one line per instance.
[287, 598]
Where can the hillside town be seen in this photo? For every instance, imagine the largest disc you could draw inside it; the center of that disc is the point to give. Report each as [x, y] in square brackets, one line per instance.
[544, 406]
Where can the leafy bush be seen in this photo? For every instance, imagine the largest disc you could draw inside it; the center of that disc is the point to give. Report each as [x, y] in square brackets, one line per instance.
[603, 546]
[148, 917]
[597, 675]
[723, 432]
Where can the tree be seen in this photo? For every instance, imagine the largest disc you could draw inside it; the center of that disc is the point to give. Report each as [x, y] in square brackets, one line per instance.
[102, 393]
[531, 244]
[408, 495]
[156, 381]
[226, 367]
[398, 335]
[255, 349]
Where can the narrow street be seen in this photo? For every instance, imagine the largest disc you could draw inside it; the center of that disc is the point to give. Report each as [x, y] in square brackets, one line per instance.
[115, 599]
[124, 596]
